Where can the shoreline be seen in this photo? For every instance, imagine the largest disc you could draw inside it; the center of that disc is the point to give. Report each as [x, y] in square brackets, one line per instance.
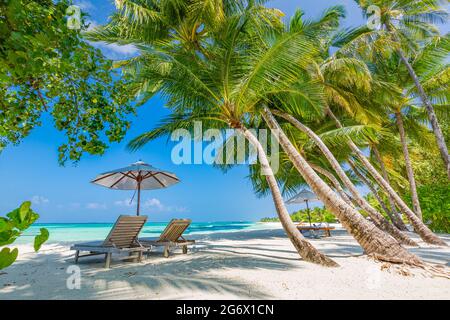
[68, 233]
[229, 265]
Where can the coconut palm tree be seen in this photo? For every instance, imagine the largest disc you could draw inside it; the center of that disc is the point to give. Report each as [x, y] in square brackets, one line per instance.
[395, 215]
[360, 97]
[238, 67]
[205, 82]
[348, 72]
[404, 25]
[377, 217]
[425, 233]
[430, 65]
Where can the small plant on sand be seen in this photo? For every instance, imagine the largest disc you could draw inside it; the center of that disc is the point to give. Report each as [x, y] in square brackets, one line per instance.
[12, 226]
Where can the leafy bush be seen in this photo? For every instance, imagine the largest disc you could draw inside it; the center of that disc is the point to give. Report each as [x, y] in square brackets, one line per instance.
[317, 215]
[435, 203]
[12, 226]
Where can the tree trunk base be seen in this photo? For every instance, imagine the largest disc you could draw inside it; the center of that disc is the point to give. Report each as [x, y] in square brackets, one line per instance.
[410, 260]
[310, 254]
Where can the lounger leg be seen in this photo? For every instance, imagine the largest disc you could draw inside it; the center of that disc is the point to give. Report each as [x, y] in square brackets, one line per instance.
[108, 260]
[140, 256]
[77, 254]
[166, 252]
[185, 249]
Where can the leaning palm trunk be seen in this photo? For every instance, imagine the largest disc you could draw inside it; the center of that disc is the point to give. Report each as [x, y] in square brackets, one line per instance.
[374, 241]
[379, 220]
[409, 169]
[424, 232]
[431, 114]
[303, 247]
[397, 219]
[372, 189]
[334, 181]
[391, 229]
[428, 106]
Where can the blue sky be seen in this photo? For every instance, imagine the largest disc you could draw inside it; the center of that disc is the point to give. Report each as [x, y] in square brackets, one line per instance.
[64, 194]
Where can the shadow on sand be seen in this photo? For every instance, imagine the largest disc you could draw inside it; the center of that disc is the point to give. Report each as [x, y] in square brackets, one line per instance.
[180, 275]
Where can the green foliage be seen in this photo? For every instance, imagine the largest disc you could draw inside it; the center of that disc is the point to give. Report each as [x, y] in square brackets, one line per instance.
[435, 204]
[40, 238]
[45, 67]
[317, 215]
[7, 257]
[434, 201]
[12, 226]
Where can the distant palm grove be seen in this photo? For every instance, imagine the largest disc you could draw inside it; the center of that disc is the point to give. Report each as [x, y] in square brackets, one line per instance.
[364, 106]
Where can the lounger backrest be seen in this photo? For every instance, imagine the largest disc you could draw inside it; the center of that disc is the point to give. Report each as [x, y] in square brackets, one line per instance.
[174, 229]
[125, 231]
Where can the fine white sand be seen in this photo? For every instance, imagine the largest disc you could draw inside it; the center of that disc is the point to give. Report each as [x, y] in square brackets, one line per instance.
[246, 264]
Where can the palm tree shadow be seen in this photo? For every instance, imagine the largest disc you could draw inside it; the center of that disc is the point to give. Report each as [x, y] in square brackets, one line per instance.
[174, 277]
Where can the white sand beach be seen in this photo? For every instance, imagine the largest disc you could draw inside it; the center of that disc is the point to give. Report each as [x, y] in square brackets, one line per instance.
[258, 264]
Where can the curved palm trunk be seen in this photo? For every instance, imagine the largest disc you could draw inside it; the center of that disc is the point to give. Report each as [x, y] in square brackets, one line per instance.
[303, 247]
[380, 221]
[424, 232]
[396, 216]
[374, 241]
[334, 181]
[391, 229]
[372, 189]
[428, 106]
[409, 169]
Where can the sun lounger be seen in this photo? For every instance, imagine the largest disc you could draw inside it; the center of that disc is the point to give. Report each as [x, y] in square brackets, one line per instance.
[123, 237]
[325, 228]
[172, 236]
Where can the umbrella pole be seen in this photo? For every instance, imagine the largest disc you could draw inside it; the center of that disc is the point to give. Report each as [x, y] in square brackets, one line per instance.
[139, 196]
[309, 214]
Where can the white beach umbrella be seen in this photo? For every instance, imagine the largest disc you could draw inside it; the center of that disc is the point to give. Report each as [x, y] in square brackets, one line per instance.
[304, 196]
[138, 176]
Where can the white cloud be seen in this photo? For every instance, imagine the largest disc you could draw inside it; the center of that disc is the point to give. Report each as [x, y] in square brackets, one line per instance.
[95, 206]
[152, 204]
[116, 52]
[156, 204]
[111, 50]
[37, 200]
[125, 203]
[84, 5]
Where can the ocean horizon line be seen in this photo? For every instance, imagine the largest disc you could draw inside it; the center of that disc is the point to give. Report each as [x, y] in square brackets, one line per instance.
[162, 221]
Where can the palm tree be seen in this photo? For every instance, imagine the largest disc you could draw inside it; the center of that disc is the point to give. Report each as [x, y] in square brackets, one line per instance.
[425, 233]
[348, 215]
[228, 76]
[406, 23]
[347, 69]
[365, 180]
[205, 82]
[240, 66]
[359, 96]
[430, 65]
[377, 217]
[396, 218]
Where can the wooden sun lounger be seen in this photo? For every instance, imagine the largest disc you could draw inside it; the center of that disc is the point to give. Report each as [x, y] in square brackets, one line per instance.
[325, 229]
[172, 236]
[123, 237]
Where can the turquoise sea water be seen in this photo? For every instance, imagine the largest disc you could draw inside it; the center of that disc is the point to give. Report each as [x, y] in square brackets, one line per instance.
[72, 232]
